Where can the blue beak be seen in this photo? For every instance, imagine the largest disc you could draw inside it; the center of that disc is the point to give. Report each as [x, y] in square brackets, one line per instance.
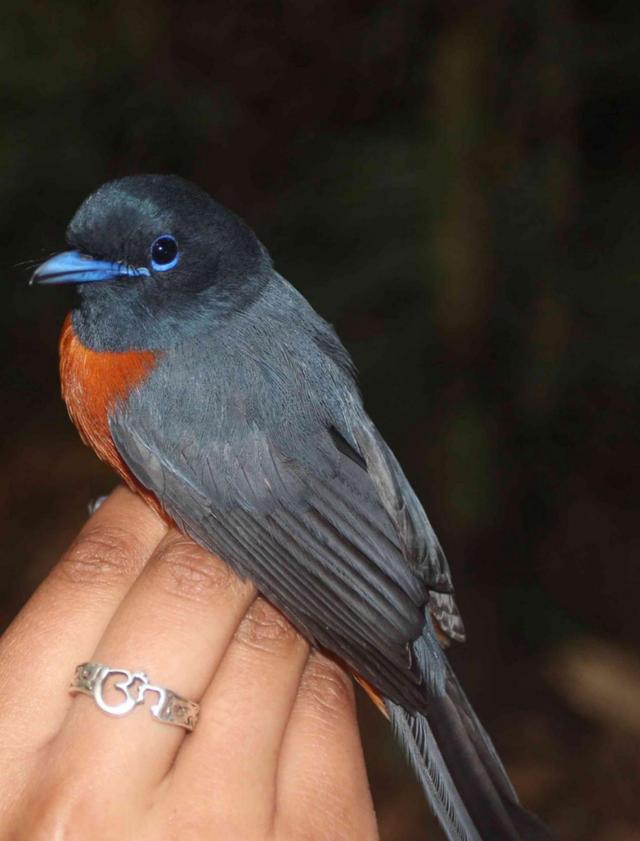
[74, 267]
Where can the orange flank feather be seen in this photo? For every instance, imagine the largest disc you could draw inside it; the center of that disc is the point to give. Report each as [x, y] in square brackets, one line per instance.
[93, 383]
[372, 694]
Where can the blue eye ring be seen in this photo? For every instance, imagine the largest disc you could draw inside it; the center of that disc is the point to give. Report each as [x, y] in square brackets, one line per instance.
[164, 253]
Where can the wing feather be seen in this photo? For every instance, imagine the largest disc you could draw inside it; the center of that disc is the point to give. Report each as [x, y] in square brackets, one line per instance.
[317, 547]
[291, 484]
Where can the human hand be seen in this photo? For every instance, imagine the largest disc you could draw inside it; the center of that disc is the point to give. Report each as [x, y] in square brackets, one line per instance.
[276, 754]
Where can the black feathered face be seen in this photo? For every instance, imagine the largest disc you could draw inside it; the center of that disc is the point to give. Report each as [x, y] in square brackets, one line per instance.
[156, 260]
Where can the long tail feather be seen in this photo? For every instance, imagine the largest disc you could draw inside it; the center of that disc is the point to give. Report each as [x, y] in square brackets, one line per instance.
[414, 734]
[458, 768]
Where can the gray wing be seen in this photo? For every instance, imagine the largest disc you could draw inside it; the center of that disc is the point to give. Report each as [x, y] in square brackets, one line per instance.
[275, 467]
[319, 545]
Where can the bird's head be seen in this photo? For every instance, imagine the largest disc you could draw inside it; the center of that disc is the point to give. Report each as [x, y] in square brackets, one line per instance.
[156, 260]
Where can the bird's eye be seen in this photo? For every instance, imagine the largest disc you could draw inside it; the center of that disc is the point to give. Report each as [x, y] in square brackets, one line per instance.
[164, 253]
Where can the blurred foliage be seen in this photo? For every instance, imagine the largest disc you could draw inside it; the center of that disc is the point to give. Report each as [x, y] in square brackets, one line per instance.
[453, 185]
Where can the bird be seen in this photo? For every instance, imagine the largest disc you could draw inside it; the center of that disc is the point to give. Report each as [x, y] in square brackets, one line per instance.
[215, 391]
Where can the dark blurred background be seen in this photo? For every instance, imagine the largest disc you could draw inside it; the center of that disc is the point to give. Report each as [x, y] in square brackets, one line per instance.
[454, 185]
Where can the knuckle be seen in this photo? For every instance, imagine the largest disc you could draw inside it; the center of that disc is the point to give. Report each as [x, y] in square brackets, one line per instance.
[186, 570]
[328, 687]
[265, 629]
[100, 555]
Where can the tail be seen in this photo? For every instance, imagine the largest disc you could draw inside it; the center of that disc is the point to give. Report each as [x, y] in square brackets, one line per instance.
[458, 768]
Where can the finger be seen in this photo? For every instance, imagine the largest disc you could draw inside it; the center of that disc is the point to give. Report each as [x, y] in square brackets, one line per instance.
[63, 621]
[175, 624]
[322, 779]
[243, 720]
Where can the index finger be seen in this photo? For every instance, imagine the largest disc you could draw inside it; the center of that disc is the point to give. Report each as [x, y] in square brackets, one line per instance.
[63, 621]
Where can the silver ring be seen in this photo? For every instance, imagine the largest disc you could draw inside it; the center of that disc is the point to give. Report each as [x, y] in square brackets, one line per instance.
[170, 708]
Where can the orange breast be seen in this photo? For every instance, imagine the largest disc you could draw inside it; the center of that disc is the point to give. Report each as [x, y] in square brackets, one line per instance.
[93, 382]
